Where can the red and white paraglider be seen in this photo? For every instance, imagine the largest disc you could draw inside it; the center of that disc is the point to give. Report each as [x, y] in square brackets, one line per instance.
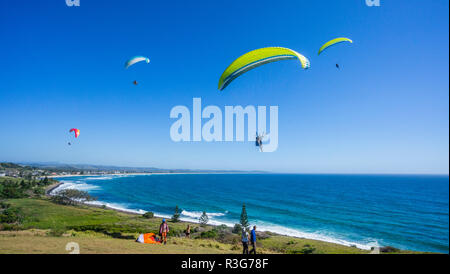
[76, 131]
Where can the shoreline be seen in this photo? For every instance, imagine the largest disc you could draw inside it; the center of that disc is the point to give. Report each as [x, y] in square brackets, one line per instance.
[150, 173]
[136, 213]
[52, 187]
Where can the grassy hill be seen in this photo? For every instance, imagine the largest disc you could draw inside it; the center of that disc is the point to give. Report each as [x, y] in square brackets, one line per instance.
[47, 227]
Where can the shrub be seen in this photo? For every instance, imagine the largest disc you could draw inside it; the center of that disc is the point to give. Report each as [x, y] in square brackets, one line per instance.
[210, 234]
[148, 215]
[56, 232]
[222, 228]
[237, 229]
[174, 232]
[307, 249]
[4, 205]
[45, 181]
[389, 249]
[9, 189]
[11, 215]
[10, 227]
[235, 247]
[39, 191]
[71, 197]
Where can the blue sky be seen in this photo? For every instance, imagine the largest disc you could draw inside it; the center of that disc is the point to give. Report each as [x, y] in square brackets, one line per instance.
[385, 111]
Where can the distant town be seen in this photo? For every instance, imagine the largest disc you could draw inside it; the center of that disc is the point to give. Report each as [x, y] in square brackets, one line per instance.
[24, 171]
[40, 170]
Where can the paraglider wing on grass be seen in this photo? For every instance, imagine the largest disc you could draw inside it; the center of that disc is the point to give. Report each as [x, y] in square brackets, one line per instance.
[148, 238]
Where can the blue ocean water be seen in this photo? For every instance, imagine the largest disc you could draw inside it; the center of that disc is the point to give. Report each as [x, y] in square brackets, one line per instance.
[404, 211]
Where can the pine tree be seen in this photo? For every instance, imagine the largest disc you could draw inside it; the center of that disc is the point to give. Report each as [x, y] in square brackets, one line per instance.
[244, 218]
[203, 219]
[176, 215]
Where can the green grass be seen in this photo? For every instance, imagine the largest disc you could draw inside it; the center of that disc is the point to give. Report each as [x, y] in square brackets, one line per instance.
[108, 227]
[43, 214]
[38, 242]
[5, 178]
[284, 244]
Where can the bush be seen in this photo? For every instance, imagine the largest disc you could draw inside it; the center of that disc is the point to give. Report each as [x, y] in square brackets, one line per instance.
[307, 249]
[148, 215]
[56, 232]
[210, 234]
[109, 228]
[71, 197]
[235, 247]
[4, 205]
[11, 215]
[237, 229]
[9, 189]
[39, 191]
[222, 228]
[389, 249]
[198, 229]
[10, 227]
[175, 232]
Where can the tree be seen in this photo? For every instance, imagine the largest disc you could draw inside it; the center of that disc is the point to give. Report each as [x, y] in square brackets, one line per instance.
[71, 197]
[176, 215]
[244, 218]
[237, 229]
[148, 215]
[203, 219]
[10, 189]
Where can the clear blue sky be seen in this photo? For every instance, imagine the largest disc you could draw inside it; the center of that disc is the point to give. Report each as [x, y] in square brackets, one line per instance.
[385, 111]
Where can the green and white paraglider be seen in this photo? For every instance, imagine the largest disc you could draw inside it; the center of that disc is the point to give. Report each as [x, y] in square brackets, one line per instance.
[136, 60]
[334, 42]
[257, 58]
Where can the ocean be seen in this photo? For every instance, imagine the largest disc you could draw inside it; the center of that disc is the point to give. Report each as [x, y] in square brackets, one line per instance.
[405, 211]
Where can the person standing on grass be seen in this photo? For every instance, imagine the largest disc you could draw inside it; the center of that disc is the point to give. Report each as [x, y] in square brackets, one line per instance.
[253, 240]
[163, 230]
[244, 241]
[188, 232]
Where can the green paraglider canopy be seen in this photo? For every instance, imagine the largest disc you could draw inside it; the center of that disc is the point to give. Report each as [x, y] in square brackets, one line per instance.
[256, 58]
[333, 42]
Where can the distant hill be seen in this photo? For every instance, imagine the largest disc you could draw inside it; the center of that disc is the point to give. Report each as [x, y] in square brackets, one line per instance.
[62, 167]
[10, 165]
